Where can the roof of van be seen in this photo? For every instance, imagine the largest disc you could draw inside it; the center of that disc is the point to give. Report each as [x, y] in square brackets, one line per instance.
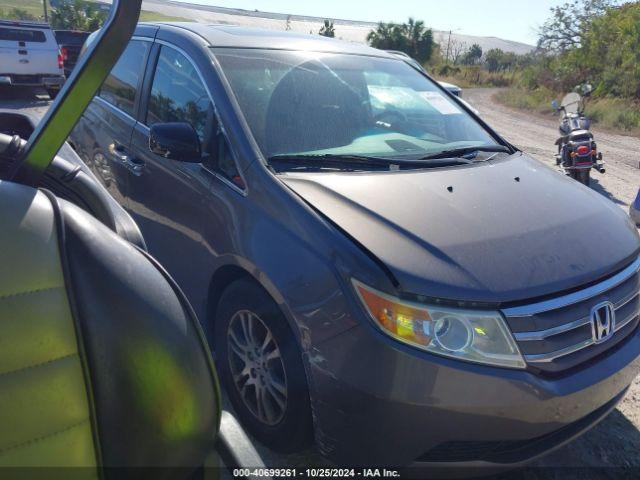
[230, 36]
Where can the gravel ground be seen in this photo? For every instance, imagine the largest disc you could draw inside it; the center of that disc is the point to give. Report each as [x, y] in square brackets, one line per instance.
[611, 449]
[536, 135]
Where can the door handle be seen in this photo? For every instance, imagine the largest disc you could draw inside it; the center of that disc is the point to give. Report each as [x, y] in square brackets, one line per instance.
[135, 165]
[132, 164]
[119, 153]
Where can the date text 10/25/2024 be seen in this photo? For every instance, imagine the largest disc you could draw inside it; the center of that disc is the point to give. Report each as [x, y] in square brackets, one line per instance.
[316, 473]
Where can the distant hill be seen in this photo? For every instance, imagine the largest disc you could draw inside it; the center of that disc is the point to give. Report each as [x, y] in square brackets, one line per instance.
[350, 30]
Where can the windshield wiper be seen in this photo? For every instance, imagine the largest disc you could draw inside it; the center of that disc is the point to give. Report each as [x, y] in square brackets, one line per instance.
[464, 151]
[359, 162]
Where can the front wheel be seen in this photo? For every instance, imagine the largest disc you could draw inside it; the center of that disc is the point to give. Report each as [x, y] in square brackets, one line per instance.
[261, 368]
[53, 93]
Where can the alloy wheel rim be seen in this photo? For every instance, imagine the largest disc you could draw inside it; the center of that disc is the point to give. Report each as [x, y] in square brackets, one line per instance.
[257, 367]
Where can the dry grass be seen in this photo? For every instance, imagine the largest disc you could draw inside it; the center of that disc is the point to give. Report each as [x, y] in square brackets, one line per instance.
[472, 76]
[614, 114]
[34, 7]
[159, 17]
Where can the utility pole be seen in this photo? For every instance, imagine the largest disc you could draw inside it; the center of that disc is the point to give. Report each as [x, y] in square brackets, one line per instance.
[46, 11]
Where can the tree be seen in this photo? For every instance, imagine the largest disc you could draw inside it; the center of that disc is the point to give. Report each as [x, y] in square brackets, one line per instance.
[420, 40]
[604, 53]
[412, 38]
[609, 56]
[386, 36]
[328, 30]
[18, 14]
[456, 49]
[570, 22]
[493, 59]
[473, 55]
[77, 15]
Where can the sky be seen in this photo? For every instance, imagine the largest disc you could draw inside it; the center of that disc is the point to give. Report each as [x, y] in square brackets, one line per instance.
[509, 19]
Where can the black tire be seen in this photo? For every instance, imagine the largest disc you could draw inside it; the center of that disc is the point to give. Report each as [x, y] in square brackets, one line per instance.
[53, 93]
[294, 430]
[584, 176]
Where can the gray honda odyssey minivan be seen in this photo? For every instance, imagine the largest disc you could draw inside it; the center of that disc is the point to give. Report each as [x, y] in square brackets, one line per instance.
[375, 268]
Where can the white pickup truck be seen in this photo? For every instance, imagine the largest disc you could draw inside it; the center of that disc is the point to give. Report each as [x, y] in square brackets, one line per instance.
[30, 56]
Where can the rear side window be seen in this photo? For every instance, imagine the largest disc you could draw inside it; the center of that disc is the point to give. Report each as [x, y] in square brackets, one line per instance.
[121, 86]
[22, 35]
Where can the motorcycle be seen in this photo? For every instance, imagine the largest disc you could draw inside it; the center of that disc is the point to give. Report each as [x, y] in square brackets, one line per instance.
[577, 150]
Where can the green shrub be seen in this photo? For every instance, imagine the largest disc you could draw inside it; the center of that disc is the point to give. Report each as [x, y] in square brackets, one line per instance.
[473, 76]
[608, 112]
[18, 14]
[448, 70]
[615, 113]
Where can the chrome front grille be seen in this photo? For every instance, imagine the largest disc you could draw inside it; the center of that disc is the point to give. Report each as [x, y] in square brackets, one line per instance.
[558, 334]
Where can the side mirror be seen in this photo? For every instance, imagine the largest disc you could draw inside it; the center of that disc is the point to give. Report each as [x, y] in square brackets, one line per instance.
[555, 106]
[176, 141]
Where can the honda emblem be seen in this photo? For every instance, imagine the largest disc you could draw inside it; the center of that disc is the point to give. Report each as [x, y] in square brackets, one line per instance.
[603, 321]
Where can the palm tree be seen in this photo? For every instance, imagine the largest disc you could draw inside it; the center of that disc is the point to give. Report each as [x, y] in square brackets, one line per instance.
[381, 37]
[414, 31]
[412, 38]
[328, 30]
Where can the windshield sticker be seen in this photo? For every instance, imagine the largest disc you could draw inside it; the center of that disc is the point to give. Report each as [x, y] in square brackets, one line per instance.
[437, 101]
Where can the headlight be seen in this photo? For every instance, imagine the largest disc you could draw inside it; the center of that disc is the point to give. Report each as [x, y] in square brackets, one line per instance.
[474, 336]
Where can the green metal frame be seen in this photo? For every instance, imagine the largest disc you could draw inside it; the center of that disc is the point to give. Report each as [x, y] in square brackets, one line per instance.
[91, 71]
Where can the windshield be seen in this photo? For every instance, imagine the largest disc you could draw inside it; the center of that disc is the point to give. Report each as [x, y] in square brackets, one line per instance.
[22, 35]
[571, 102]
[309, 103]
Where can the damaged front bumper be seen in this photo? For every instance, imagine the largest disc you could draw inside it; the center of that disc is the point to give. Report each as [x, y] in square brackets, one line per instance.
[377, 402]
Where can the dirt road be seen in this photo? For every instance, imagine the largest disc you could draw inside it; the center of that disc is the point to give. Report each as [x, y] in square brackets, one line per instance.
[536, 135]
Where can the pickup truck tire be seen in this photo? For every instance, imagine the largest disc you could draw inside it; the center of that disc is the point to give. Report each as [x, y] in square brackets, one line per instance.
[287, 428]
[53, 93]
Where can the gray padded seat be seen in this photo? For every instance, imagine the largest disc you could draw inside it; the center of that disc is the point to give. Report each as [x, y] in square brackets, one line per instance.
[102, 361]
